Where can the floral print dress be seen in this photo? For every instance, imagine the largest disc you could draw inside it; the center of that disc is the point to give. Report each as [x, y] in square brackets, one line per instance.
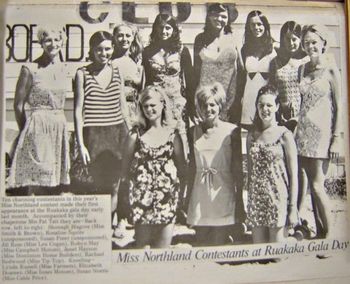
[154, 184]
[268, 185]
[316, 119]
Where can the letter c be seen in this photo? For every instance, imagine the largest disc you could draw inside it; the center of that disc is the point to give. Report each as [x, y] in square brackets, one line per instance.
[83, 11]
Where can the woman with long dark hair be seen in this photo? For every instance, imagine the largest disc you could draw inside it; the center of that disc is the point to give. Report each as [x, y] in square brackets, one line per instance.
[216, 57]
[99, 113]
[257, 53]
[284, 72]
[168, 64]
[272, 172]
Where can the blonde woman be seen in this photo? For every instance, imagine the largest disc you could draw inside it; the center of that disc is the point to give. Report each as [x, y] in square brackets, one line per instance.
[41, 158]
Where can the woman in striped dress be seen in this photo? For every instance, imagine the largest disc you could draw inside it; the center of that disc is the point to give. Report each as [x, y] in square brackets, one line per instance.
[98, 111]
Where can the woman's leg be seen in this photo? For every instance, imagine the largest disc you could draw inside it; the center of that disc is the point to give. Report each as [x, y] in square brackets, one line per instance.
[143, 235]
[316, 170]
[260, 235]
[162, 236]
[303, 184]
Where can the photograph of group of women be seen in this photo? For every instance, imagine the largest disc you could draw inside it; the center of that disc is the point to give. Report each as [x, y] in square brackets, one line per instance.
[162, 130]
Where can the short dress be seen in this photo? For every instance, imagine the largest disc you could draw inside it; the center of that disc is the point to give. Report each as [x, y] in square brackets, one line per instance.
[154, 183]
[167, 71]
[104, 130]
[41, 157]
[287, 81]
[257, 76]
[268, 185]
[132, 74]
[315, 125]
[220, 66]
[212, 200]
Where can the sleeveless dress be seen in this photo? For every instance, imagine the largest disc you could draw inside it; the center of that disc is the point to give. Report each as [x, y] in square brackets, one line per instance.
[221, 67]
[104, 131]
[257, 76]
[165, 70]
[212, 201]
[268, 185]
[41, 157]
[154, 184]
[287, 81]
[314, 130]
[132, 75]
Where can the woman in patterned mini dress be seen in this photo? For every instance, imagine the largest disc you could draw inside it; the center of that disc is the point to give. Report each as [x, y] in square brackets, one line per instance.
[155, 161]
[272, 173]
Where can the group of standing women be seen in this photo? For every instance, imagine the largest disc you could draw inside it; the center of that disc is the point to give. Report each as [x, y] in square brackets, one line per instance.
[172, 131]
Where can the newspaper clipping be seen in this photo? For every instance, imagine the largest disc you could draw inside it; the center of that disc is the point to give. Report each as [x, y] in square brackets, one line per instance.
[171, 142]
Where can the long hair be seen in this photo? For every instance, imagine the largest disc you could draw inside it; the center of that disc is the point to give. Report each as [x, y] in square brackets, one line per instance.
[136, 47]
[283, 54]
[150, 92]
[173, 44]
[232, 15]
[268, 89]
[251, 43]
[95, 40]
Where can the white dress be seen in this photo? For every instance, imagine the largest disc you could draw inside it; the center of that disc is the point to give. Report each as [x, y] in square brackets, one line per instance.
[212, 201]
[257, 77]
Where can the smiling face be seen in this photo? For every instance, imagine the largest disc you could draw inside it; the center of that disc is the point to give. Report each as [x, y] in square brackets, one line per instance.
[291, 42]
[52, 44]
[313, 44]
[103, 52]
[153, 107]
[165, 31]
[209, 109]
[267, 108]
[218, 20]
[124, 37]
[256, 26]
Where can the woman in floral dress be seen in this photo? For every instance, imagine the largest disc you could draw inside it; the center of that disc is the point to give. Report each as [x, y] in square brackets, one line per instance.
[168, 64]
[272, 173]
[41, 158]
[319, 125]
[155, 159]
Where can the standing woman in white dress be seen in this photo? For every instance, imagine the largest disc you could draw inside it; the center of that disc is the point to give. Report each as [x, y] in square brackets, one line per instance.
[216, 57]
[257, 53]
[41, 158]
[319, 125]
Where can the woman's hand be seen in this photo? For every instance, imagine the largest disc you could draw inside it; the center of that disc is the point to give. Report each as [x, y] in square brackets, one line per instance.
[292, 218]
[334, 148]
[84, 155]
